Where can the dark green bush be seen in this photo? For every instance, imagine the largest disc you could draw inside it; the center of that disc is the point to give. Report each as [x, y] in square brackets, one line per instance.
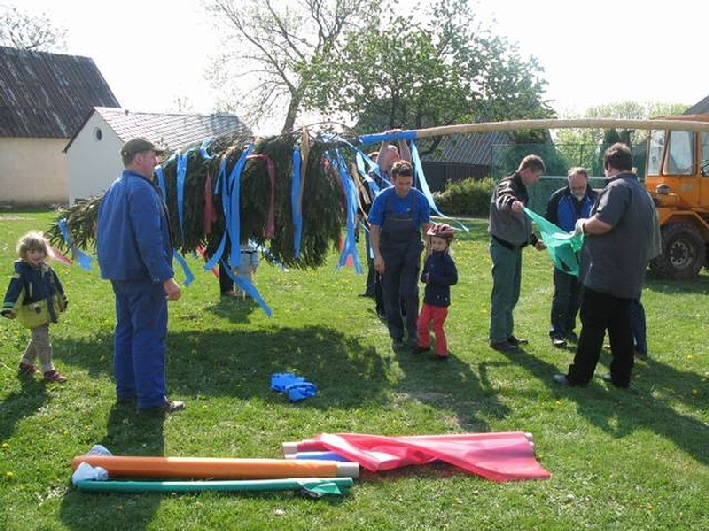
[469, 197]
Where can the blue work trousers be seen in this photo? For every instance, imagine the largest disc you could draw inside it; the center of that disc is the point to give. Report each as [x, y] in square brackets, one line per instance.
[139, 343]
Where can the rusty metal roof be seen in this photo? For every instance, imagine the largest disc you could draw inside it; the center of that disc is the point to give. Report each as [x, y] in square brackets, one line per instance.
[473, 148]
[172, 131]
[47, 95]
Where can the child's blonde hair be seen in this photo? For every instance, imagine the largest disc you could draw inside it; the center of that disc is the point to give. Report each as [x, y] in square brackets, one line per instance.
[32, 241]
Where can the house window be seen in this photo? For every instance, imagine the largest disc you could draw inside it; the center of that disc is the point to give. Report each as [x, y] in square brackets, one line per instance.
[98, 134]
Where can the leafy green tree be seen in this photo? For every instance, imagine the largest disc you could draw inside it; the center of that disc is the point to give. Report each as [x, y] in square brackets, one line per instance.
[419, 71]
[584, 147]
[21, 29]
[269, 46]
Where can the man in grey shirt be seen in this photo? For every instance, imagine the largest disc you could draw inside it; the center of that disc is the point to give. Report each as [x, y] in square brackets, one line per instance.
[510, 231]
[614, 258]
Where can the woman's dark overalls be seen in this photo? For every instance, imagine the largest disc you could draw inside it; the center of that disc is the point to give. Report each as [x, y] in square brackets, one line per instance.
[400, 246]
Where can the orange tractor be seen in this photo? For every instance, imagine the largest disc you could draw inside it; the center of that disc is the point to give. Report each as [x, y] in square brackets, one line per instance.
[677, 178]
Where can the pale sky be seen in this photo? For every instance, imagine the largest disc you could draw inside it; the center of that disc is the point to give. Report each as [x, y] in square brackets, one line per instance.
[152, 52]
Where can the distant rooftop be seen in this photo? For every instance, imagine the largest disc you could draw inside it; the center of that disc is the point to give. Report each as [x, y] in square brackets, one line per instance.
[173, 131]
[46, 95]
[699, 108]
[472, 148]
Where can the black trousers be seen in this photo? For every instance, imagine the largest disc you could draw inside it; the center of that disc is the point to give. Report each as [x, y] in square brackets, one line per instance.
[601, 312]
[565, 303]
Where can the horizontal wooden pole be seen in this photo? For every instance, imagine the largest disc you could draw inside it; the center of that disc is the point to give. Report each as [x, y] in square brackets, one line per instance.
[575, 123]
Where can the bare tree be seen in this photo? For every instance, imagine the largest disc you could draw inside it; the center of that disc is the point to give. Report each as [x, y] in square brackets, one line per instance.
[20, 29]
[271, 45]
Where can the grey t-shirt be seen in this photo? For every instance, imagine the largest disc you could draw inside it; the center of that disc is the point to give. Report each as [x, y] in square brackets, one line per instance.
[615, 262]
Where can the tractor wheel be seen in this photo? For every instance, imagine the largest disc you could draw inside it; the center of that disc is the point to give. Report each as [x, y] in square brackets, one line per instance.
[683, 251]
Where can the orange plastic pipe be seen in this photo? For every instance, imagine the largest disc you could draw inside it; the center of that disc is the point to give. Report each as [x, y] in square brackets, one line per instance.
[214, 467]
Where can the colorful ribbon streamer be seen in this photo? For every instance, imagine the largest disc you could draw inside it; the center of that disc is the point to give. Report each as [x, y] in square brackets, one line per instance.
[246, 286]
[81, 257]
[349, 248]
[296, 202]
[181, 175]
[159, 173]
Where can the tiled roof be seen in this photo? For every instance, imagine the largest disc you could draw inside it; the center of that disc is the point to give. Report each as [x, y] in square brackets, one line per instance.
[468, 149]
[173, 131]
[699, 108]
[46, 95]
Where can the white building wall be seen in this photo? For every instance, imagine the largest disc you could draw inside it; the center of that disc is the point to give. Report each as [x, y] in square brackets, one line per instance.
[93, 159]
[33, 171]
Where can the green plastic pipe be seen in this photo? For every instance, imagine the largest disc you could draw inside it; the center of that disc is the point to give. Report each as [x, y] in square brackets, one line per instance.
[316, 485]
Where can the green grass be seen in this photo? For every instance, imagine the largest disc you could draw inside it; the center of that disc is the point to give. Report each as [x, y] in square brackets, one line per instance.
[633, 459]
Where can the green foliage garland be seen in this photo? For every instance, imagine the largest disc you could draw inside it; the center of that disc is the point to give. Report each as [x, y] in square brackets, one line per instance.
[322, 201]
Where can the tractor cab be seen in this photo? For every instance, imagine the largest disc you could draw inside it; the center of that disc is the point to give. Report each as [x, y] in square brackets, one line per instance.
[677, 178]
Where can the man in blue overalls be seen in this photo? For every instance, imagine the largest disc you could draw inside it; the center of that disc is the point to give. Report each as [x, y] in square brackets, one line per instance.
[399, 218]
[135, 253]
[565, 207]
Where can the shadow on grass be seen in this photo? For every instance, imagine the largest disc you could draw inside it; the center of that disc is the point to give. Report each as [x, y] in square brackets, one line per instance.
[235, 310]
[127, 433]
[451, 386]
[23, 403]
[620, 412]
[700, 284]
[240, 364]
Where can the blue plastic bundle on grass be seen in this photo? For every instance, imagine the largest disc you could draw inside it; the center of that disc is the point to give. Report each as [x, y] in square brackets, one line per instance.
[296, 387]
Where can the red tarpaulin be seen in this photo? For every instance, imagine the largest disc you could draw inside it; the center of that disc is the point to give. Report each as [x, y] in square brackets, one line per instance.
[500, 456]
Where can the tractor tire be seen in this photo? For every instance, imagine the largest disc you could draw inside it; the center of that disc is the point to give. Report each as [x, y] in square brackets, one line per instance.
[683, 252]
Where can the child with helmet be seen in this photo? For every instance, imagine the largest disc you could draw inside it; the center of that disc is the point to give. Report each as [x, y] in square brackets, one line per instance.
[439, 274]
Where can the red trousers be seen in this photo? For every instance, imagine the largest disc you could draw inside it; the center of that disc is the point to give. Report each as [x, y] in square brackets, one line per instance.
[436, 315]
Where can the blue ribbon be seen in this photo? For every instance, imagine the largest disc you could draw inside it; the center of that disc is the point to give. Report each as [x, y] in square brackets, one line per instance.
[181, 174]
[350, 244]
[423, 184]
[221, 182]
[295, 199]
[189, 277]
[160, 174]
[246, 285]
[161, 178]
[233, 222]
[380, 137]
[230, 192]
[368, 241]
[203, 149]
[82, 258]
[360, 159]
[221, 177]
[321, 456]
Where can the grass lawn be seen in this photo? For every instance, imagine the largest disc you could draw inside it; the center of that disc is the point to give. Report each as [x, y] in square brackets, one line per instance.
[630, 460]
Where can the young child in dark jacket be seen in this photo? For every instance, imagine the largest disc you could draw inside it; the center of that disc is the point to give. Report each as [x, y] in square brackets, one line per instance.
[439, 274]
[36, 297]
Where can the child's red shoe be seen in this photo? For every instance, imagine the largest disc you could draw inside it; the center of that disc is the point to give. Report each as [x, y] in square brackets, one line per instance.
[27, 368]
[54, 376]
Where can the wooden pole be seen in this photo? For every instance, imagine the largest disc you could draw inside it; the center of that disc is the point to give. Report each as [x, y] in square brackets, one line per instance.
[575, 123]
